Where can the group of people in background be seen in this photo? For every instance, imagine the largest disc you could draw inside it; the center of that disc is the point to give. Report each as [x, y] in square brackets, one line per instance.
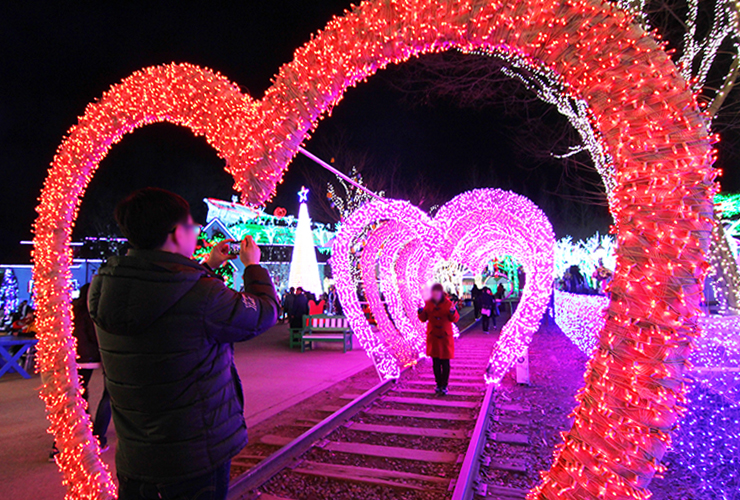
[22, 322]
[573, 280]
[486, 304]
[297, 302]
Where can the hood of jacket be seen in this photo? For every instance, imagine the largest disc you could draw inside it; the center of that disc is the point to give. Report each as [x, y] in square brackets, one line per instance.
[130, 293]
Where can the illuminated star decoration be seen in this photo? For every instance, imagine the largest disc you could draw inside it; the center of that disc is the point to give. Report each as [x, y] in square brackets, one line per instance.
[645, 114]
[303, 194]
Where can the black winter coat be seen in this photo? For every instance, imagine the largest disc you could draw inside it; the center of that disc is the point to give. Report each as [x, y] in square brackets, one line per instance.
[487, 301]
[298, 309]
[165, 325]
[84, 330]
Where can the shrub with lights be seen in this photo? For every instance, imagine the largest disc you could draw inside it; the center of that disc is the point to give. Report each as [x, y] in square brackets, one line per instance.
[643, 111]
[9, 300]
[708, 439]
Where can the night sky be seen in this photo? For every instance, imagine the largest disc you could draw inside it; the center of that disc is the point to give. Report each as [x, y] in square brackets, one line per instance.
[58, 56]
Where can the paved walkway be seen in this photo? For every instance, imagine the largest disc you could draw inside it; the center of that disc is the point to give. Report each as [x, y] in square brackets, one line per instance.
[274, 378]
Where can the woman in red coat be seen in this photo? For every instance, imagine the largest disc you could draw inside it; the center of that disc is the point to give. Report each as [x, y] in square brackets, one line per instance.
[440, 313]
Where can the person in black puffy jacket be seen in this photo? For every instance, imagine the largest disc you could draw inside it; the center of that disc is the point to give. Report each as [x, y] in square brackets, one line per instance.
[488, 309]
[166, 325]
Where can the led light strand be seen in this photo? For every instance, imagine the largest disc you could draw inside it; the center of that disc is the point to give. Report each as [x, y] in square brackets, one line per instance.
[707, 442]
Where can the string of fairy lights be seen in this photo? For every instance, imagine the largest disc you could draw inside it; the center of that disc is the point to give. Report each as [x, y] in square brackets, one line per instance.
[382, 226]
[353, 197]
[698, 54]
[645, 114]
[548, 86]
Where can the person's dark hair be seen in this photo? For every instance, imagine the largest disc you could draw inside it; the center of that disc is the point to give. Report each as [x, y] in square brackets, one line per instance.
[437, 287]
[148, 215]
[292, 289]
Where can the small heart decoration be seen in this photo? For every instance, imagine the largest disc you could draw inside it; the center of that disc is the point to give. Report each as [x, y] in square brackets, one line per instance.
[399, 246]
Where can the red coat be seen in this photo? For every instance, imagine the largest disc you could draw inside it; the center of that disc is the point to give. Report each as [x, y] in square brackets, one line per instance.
[440, 342]
[314, 308]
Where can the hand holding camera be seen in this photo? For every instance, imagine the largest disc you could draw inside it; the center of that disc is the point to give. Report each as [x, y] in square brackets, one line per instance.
[249, 252]
[246, 250]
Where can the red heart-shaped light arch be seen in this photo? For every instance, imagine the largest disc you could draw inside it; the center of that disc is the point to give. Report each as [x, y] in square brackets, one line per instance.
[646, 116]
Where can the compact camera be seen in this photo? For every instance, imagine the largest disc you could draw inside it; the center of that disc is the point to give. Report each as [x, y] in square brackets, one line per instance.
[235, 248]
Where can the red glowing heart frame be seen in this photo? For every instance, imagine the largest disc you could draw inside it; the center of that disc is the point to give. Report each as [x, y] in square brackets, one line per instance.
[470, 229]
[647, 119]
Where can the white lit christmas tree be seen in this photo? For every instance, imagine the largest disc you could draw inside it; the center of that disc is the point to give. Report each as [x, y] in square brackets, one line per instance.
[9, 293]
[304, 269]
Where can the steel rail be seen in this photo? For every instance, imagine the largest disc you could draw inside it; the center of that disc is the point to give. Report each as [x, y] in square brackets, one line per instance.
[466, 480]
[245, 485]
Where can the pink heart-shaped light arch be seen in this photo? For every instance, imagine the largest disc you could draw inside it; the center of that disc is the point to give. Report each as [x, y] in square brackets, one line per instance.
[471, 229]
[645, 115]
[398, 223]
[484, 223]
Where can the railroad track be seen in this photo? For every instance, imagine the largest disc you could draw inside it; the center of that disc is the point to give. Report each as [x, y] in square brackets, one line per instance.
[396, 441]
[503, 462]
[523, 424]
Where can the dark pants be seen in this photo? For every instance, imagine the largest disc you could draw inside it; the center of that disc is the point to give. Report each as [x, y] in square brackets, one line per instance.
[441, 369]
[296, 321]
[211, 486]
[485, 320]
[103, 413]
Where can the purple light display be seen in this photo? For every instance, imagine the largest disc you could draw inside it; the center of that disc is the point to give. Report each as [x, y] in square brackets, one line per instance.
[388, 347]
[707, 442]
[480, 224]
[403, 245]
[581, 318]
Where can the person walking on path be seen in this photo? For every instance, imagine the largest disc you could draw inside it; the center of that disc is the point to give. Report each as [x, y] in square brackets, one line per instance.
[487, 309]
[288, 303]
[333, 307]
[499, 298]
[475, 297]
[440, 313]
[88, 359]
[166, 327]
[299, 308]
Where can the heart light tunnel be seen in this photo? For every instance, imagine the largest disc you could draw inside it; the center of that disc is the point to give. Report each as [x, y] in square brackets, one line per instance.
[399, 241]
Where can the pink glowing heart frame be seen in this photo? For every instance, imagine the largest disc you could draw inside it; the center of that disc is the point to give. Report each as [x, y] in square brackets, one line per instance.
[644, 112]
[405, 244]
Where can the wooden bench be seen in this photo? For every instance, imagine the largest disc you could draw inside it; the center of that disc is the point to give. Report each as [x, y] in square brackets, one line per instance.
[325, 328]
